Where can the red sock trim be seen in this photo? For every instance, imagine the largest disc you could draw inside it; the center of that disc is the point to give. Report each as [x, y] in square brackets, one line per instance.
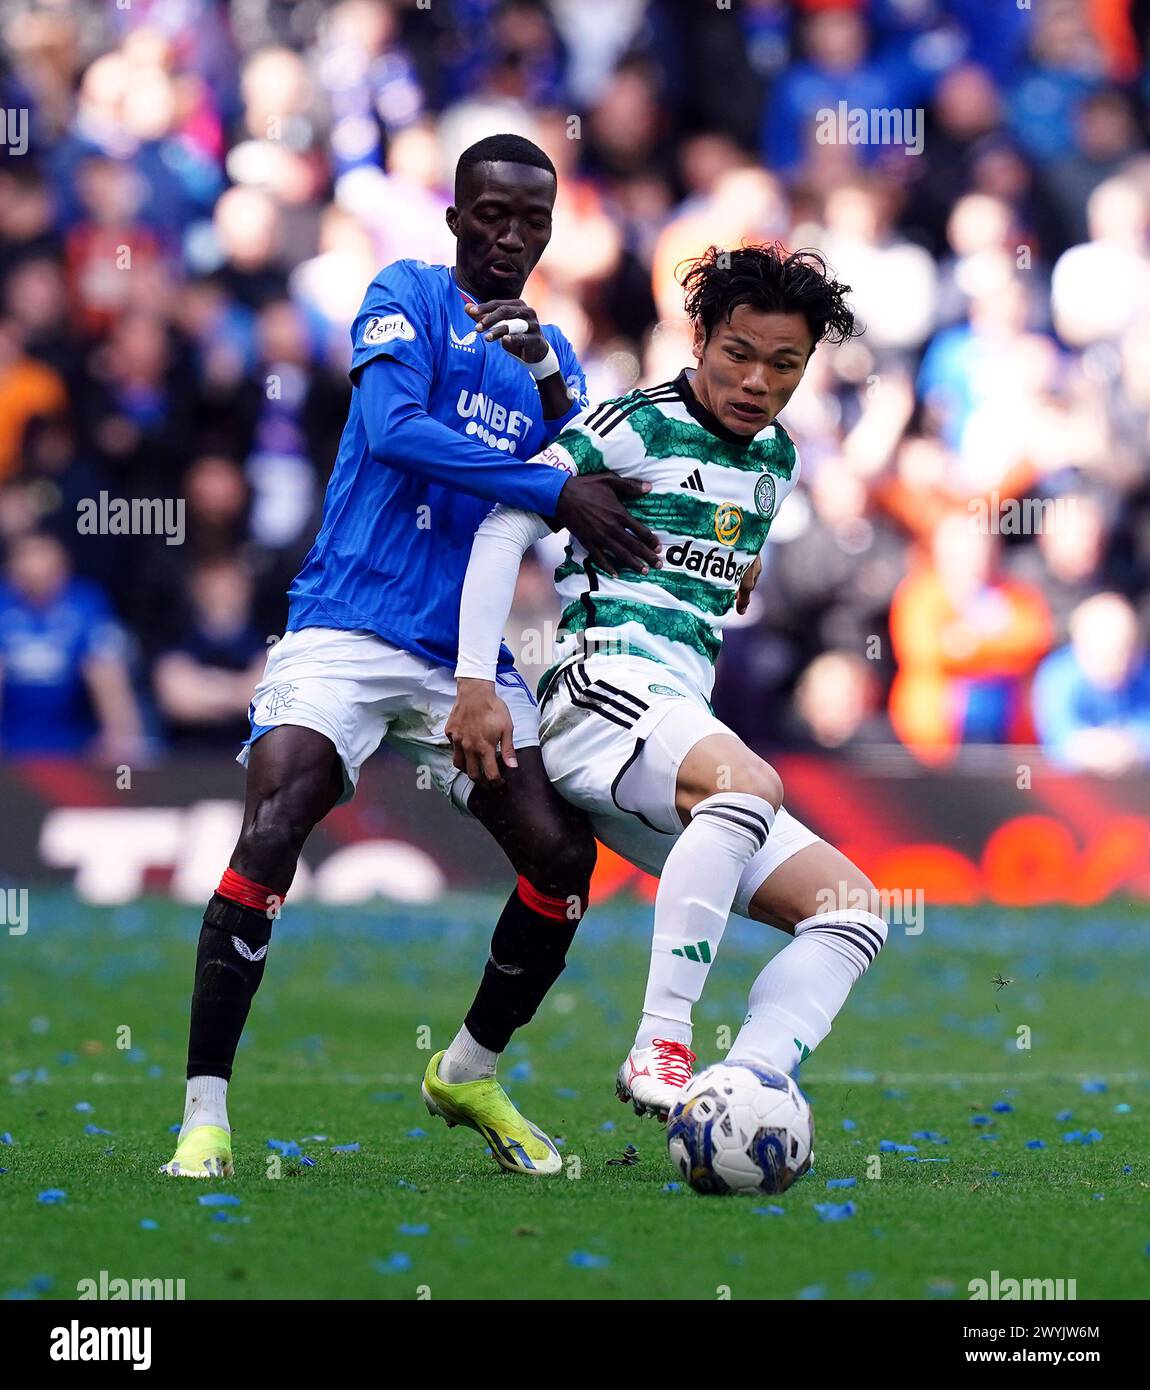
[555, 908]
[243, 891]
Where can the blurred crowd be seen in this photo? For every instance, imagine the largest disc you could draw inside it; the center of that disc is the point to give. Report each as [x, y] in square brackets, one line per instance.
[206, 190]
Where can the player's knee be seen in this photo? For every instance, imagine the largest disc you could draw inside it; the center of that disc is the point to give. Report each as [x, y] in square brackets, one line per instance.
[274, 834]
[572, 860]
[754, 776]
[559, 863]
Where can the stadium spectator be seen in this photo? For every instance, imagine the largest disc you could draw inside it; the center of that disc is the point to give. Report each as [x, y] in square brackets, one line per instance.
[64, 681]
[205, 679]
[28, 389]
[966, 640]
[838, 703]
[1092, 697]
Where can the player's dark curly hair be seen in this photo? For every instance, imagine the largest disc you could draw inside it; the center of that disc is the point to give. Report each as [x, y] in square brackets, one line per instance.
[771, 279]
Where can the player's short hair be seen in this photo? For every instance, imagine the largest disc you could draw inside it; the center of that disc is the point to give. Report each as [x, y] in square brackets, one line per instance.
[773, 280]
[500, 149]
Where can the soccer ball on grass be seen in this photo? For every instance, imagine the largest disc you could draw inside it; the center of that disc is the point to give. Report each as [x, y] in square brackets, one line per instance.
[740, 1127]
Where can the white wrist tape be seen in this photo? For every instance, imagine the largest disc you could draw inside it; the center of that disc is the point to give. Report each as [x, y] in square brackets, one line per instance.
[547, 367]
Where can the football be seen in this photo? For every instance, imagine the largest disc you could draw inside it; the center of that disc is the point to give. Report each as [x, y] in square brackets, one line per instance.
[741, 1127]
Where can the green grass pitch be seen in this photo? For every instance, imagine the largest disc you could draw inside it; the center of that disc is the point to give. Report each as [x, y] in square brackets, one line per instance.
[340, 1034]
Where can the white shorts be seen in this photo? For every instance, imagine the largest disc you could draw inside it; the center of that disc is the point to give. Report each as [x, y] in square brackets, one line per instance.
[360, 691]
[613, 732]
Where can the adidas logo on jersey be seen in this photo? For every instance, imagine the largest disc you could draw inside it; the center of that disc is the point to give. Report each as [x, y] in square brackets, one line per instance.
[715, 563]
[694, 482]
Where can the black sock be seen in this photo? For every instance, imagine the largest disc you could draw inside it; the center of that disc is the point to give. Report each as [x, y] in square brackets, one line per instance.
[229, 967]
[528, 953]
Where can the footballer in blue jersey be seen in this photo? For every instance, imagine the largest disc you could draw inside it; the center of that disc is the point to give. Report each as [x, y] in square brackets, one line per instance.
[456, 386]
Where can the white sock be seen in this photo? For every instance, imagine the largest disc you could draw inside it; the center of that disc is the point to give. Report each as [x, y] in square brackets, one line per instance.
[651, 1026]
[465, 1060]
[801, 989]
[206, 1103]
[696, 890]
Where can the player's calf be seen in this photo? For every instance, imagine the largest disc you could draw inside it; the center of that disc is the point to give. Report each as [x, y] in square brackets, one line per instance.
[728, 796]
[799, 992]
[293, 781]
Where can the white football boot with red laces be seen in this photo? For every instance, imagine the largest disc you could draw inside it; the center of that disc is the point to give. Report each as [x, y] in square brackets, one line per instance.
[652, 1077]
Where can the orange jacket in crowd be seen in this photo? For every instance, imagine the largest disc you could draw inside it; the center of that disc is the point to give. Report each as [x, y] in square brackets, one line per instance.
[946, 657]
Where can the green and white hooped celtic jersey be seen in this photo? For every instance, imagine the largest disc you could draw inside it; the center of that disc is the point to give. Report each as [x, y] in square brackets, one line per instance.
[712, 500]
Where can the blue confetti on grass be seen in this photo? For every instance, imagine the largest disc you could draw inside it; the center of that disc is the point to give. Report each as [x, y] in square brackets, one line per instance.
[994, 1173]
[306, 1162]
[849, 1125]
[149, 1225]
[1072, 1136]
[394, 1264]
[1094, 1087]
[607, 1127]
[811, 1293]
[407, 1229]
[979, 1120]
[893, 1093]
[769, 1211]
[860, 1278]
[566, 1093]
[52, 1195]
[1002, 1107]
[174, 1129]
[6, 1138]
[219, 1199]
[409, 1186]
[415, 1133]
[914, 1158]
[354, 1148]
[1100, 1196]
[940, 1288]
[95, 1129]
[1122, 1108]
[1126, 1168]
[85, 1107]
[1036, 1143]
[671, 1187]
[835, 1211]
[584, 1259]
[286, 1148]
[989, 1138]
[521, 1071]
[1064, 1116]
[841, 1182]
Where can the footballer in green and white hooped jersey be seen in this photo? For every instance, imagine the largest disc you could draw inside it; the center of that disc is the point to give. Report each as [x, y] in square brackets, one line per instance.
[626, 729]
